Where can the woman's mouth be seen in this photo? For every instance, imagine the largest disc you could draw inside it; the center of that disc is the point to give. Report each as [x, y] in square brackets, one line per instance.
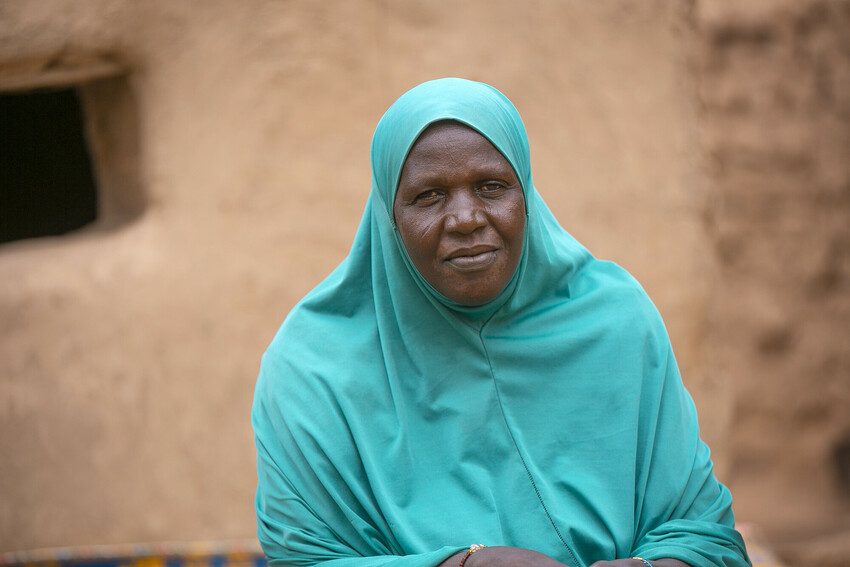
[472, 260]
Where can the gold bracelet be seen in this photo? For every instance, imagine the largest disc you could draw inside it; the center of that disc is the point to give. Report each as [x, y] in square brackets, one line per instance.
[642, 560]
[472, 549]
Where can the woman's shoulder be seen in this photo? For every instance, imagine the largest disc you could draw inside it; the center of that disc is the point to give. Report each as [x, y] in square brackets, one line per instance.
[617, 298]
[311, 338]
[308, 371]
[617, 284]
[328, 319]
[321, 341]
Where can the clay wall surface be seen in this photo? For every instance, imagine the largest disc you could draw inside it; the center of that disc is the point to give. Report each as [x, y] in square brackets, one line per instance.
[231, 141]
[130, 353]
[775, 88]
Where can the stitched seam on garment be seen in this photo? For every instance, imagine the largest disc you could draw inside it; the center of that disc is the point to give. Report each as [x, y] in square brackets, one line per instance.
[521, 459]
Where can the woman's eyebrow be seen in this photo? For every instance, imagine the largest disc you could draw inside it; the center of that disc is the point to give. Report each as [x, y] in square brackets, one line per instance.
[436, 177]
[431, 178]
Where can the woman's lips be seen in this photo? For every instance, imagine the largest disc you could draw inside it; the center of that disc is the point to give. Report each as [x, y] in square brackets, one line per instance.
[473, 261]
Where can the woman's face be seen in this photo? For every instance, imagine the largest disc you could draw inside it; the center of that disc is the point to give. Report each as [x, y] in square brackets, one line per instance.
[460, 212]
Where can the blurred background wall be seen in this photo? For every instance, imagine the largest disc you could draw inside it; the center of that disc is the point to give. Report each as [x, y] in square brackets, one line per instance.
[775, 94]
[703, 145]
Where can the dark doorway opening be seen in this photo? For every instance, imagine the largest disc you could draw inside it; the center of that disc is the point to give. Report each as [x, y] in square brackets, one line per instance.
[47, 184]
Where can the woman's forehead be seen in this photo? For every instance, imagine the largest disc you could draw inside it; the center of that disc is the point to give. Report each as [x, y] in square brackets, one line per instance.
[449, 152]
[446, 141]
[445, 134]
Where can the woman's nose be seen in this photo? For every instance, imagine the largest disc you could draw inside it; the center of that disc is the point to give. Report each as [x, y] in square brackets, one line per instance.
[465, 214]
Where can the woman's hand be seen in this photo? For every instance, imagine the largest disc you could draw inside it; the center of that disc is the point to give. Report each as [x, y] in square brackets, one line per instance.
[639, 563]
[501, 556]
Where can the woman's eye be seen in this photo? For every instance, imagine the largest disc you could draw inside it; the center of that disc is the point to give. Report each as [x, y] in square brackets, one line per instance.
[490, 189]
[426, 197]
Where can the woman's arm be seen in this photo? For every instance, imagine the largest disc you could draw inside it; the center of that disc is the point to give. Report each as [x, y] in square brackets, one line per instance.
[639, 563]
[516, 557]
[502, 556]
[296, 531]
[306, 512]
[681, 511]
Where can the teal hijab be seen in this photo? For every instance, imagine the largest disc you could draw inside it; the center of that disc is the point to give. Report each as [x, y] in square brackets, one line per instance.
[395, 428]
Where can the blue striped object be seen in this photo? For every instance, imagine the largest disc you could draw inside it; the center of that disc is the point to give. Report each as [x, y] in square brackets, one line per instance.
[198, 554]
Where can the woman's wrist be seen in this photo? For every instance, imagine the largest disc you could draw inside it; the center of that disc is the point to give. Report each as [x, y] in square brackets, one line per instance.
[454, 560]
[505, 556]
[475, 547]
[665, 562]
[640, 562]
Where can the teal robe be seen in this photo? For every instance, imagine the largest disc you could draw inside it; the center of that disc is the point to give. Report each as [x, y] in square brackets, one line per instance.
[394, 427]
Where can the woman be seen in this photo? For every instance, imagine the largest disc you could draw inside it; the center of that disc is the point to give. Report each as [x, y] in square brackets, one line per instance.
[470, 374]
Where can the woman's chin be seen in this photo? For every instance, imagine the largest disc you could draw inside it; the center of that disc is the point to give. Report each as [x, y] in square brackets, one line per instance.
[472, 297]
